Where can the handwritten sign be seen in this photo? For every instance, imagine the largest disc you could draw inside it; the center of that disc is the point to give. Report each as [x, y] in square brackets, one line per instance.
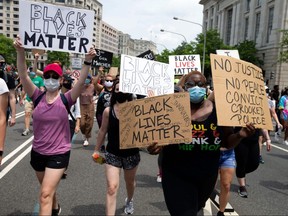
[166, 119]
[184, 64]
[102, 58]
[139, 75]
[230, 53]
[76, 63]
[240, 94]
[53, 27]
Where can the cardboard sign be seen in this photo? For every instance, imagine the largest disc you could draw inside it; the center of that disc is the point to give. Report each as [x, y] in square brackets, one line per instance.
[113, 71]
[139, 75]
[184, 64]
[230, 53]
[53, 27]
[102, 58]
[166, 119]
[147, 55]
[240, 94]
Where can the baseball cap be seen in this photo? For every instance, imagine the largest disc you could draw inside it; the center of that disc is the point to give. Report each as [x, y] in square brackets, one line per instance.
[68, 78]
[53, 67]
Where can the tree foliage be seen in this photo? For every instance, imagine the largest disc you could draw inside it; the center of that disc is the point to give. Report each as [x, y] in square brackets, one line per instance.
[7, 49]
[248, 52]
[63, 57]
[284, 46]
[116, 61]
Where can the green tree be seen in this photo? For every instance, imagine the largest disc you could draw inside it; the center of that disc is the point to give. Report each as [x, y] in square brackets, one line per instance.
[163, 56]
[284, 45]
[116, 61]
[7, 49]
[248, 52]
[63, 57]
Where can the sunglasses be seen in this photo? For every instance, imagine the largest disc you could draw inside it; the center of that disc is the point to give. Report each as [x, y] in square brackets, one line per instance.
[193, 84]
[51, 75]
[109, 80]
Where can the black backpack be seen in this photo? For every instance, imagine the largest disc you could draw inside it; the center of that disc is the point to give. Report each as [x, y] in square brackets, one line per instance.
[63, 98]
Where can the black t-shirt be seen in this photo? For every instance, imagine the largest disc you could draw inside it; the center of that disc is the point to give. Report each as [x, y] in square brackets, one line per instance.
[103, 101]
[200, 158]
[113, 145]
[10, 82]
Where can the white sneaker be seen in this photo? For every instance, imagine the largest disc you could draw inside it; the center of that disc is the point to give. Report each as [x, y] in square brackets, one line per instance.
[129, 208]
[285, 142]
[159, 178]
[25, 132]
[86, 143]
[276, 137]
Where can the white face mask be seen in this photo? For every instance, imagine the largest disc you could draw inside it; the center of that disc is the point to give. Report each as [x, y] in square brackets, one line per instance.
[51, 84]
[108, 84]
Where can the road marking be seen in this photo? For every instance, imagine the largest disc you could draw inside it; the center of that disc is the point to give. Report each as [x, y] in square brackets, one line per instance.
[6, 158]
[279, 148]
[20, 113]
[15, 162]
[207, 210]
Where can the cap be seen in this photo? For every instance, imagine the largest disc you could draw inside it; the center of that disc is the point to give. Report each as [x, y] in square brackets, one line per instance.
[68, 78]
[53, 67]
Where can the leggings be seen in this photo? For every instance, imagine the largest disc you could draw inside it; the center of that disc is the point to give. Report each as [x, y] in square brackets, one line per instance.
[247, 157]
[184, 194]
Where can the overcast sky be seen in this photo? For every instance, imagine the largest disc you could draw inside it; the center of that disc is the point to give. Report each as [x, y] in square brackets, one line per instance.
[144, 19]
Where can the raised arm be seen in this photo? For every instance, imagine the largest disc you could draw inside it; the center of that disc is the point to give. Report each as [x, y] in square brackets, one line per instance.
[76, 90]
[27, 83]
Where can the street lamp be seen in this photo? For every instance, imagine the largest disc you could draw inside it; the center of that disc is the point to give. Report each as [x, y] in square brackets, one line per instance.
[162, 30]
[204, 34]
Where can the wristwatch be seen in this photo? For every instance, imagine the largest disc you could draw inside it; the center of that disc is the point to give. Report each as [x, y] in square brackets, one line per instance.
[87, 63]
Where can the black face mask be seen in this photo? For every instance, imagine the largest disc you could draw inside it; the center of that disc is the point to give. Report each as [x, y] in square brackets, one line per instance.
[67, 85]
[122, 97]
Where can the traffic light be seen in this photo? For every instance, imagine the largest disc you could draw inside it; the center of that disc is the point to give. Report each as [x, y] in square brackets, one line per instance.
[272, 75]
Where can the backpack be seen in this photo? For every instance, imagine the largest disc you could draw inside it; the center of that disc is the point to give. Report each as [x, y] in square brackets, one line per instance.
[63, 98]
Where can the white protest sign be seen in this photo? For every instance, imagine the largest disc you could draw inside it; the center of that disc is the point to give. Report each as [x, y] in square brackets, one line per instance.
[54, 27]
[184, 64]
[76, 63]
[137, 75]
[229, 53]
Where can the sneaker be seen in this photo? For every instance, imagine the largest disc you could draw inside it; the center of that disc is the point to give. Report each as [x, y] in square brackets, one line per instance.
[285, 142]
[261, 159]
[56, 212]
[129, 209]
[159, 178]
[219, 213]
[243, 192]
[26, 132]
[86, 143]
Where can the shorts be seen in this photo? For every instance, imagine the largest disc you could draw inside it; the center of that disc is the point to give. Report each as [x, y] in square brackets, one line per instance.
[127, 163]
[39, 162]
[227, 159]
[28, 107]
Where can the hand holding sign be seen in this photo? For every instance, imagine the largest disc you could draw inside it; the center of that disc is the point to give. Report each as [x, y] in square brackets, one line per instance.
[18, 44]
[90, 55]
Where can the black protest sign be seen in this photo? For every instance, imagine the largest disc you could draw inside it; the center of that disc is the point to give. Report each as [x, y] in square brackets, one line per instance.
[102, 58]
[147, 55]
[52, 27]
[240, 94]
[165, 118]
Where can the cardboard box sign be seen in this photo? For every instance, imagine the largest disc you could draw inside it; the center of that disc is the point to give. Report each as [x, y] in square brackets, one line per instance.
[165, 118]
[240, 94]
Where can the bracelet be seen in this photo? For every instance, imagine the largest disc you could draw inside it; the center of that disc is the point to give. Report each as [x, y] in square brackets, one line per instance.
[87, 63]
[1, 153]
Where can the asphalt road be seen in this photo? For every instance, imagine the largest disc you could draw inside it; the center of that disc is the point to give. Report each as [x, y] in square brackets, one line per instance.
[83, 192]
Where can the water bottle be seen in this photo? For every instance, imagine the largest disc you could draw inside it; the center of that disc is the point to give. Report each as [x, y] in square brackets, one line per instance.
[98, 158]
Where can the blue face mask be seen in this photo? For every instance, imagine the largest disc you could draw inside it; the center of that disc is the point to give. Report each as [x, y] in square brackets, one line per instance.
[32, 74]
[197, 94]
[87, 81]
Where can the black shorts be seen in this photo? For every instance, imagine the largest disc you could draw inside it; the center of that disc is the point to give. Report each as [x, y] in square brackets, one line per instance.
[127, 163]
[39, 162]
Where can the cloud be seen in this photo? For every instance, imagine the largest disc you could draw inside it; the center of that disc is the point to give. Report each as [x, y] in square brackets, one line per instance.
[144, 19]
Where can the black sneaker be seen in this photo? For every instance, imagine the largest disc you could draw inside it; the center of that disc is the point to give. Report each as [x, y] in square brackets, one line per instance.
[243, 192]
[56, 212]
[261, 160]
[220, 213]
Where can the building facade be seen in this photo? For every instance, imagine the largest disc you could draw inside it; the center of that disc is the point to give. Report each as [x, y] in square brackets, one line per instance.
[109, 38]
[257, 20]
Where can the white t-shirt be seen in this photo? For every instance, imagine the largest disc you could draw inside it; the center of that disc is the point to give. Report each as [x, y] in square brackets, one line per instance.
[3, 87]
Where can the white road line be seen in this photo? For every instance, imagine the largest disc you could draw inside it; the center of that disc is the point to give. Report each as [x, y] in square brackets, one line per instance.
[227, 213]
[279, 148]
[20, 113]
[207, 211]
[14, 162]
[17, 150]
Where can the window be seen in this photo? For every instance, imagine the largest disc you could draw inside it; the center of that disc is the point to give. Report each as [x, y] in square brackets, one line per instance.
[8, 15]
[246, 28]
[270, 23]
[212, 11]
[229, 26]
[15, 15]
[8, 28]
[257, 25]
[7, 8]
[8, 21]
[248, 5]
[15, 22]
[16, 9]
[60, 1]
[259, 3]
